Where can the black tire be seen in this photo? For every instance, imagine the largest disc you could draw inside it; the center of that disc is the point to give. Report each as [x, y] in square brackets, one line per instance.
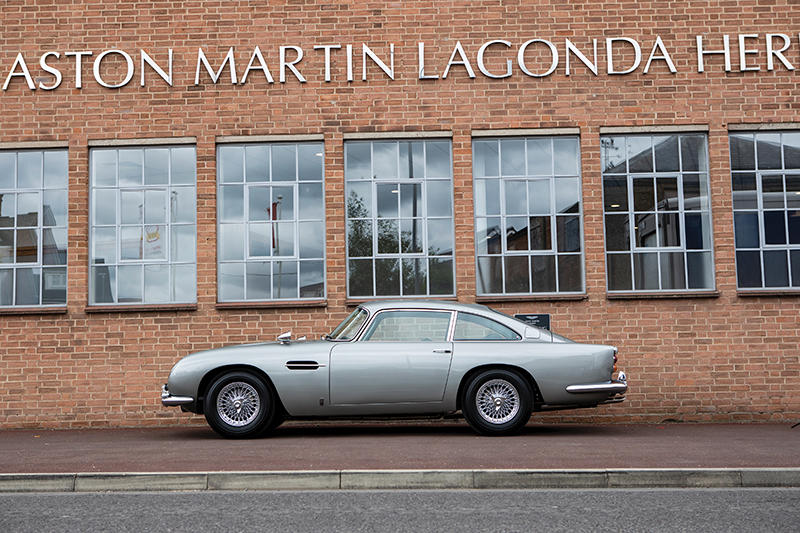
[507, 413]
[252, 415]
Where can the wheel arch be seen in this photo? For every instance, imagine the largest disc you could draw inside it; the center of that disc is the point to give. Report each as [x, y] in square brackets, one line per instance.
[537, 395]
[213, 374]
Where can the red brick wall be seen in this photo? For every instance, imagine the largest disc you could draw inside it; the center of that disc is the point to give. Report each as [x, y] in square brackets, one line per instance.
[728, 358]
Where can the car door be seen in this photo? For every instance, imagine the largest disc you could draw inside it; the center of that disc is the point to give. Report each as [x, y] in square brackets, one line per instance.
[402, 357]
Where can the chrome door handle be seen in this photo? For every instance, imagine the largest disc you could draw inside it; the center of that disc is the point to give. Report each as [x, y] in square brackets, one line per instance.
[442, 350]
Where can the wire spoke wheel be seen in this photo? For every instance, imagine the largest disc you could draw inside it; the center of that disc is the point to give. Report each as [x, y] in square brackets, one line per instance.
[497, 401]
[238, 403]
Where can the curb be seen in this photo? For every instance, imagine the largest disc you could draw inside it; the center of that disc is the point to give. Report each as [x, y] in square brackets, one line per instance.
[404, 479]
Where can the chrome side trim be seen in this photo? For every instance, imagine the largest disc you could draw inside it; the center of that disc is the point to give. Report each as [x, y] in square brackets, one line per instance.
[613, 387]
[169, 400]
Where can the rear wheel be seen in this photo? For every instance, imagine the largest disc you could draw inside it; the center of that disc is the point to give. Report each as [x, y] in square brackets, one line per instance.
[239, 404]
[497, 402]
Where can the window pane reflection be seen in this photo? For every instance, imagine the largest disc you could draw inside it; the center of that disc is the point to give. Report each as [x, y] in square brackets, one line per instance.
[399, 215]
[527, 231]
[282, 202]
[666, 179]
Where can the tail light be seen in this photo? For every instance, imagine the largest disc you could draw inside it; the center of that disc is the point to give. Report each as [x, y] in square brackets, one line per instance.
[615, 359]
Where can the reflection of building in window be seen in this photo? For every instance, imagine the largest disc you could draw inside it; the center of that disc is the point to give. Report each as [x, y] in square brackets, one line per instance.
[766, 208]
[657, 213]
[409, 326]
[527, 215]
[143, 213]
[271, 221]
[33, 227]
[399, 218]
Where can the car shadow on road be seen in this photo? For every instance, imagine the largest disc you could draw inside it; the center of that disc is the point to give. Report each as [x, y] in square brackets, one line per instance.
[345, 428]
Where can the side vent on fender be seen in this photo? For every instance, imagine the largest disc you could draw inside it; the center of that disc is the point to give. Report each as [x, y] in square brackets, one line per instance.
[303, 365]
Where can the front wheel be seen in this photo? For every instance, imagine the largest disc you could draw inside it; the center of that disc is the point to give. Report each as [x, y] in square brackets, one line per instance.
[497, 402]
[239, 404]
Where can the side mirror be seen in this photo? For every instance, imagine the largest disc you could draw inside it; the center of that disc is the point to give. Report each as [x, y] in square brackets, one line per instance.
[285, 338]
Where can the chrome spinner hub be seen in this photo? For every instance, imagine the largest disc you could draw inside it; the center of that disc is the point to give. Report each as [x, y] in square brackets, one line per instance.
[238, 403]
[497, 401]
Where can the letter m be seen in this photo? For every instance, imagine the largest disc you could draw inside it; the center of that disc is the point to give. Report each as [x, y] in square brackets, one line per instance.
[202, 60]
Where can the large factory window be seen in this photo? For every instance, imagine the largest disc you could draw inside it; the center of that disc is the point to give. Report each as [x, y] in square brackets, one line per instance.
[657, 213]
[270, 210]
[399, 218]
[143, 233]
[766, 209]
[33, 228]
[528, 235]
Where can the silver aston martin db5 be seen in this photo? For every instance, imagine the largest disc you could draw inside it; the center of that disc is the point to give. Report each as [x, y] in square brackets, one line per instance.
[399, 358]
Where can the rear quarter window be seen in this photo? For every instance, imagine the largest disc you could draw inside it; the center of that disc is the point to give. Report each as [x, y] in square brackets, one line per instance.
[477, 328]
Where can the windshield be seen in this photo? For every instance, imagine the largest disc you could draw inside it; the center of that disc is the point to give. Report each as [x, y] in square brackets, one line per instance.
[349, 326]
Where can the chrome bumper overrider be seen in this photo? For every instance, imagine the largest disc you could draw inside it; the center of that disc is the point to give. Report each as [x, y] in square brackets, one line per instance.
[169, 400]
[614, 386]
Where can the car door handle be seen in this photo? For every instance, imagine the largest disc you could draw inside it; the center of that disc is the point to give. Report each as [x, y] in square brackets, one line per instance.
[442, 350]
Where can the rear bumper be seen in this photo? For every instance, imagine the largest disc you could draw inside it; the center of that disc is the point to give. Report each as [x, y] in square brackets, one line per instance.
[169, 400]
[612, 387]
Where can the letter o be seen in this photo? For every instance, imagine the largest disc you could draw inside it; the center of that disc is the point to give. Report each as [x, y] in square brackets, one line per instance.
[96, 69]
[521, 58]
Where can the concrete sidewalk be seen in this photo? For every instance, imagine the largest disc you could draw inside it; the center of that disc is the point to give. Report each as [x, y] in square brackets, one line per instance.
[402, 455]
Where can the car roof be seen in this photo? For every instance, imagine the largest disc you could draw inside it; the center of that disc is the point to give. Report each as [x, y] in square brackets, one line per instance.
[445, 305]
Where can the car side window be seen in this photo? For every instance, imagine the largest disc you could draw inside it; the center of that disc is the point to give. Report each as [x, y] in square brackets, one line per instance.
[409, 326]
[477, 328]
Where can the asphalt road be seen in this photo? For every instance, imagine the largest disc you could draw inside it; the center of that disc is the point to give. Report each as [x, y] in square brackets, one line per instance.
[706, 510]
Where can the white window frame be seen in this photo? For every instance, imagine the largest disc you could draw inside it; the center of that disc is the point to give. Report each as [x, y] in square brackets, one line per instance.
[424, 219]
[295, 221]
[527, 177]
[760, 210]
[169, 188]
[681, 212]
[40, 228]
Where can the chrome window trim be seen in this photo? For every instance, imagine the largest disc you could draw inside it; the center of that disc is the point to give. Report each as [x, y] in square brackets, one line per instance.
[520, 336]
[371, 319]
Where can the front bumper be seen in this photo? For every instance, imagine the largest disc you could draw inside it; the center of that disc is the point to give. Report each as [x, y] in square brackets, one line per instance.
[613, 387]
[169, 400]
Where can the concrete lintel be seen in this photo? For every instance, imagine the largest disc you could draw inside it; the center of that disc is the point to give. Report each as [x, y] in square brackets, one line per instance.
[33, 144]
[526, 132]
[226, 139]
[155, 141]
[764, 127]
[656, 128]
[397, 135]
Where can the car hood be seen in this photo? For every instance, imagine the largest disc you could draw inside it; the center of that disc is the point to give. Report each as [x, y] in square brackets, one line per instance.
[253, 354]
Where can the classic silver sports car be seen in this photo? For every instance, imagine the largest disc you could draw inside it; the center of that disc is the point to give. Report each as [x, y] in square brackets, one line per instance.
[398, 358]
